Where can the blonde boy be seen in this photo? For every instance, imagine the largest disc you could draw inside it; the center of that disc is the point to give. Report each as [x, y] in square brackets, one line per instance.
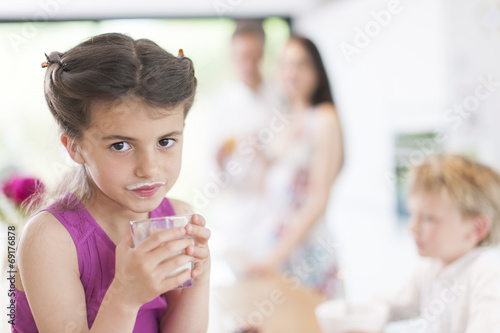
[454, 205]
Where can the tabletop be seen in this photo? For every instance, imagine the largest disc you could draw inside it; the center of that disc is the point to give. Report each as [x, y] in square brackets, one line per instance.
[272, 303]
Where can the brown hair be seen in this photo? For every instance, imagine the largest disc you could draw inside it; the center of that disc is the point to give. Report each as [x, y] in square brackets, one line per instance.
[323, 92]
[473, 187]
[249, 27]
[112, 68]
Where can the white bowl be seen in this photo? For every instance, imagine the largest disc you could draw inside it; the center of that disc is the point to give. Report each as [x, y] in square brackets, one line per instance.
[338, 316]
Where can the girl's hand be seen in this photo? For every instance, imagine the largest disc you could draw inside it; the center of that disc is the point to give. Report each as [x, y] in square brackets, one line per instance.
[140, 274]
[199, 250]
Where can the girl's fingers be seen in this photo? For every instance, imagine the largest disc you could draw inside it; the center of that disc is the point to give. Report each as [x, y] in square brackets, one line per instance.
[175, 281]
[195, 273]
[163, 236]
[198, 252]
[199, 232]
[197, 219]
[198, 270]
[170, 249]
[168, 266]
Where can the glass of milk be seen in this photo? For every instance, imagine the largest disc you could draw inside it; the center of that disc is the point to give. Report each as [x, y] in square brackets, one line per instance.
[142, 229]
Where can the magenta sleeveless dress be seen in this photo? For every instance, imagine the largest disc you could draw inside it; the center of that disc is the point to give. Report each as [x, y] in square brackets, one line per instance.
[96, 261]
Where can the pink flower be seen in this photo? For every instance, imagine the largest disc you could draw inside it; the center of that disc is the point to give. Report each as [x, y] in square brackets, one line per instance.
[20, 189]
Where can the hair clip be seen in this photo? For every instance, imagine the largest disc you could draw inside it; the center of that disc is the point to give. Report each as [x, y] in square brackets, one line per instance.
[46, 63]
[181, 54]
[53, 58]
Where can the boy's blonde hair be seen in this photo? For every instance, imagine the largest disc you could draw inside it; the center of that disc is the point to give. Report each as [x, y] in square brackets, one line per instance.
[472, 186]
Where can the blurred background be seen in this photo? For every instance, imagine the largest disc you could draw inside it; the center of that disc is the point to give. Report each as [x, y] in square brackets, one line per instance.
[410, 78]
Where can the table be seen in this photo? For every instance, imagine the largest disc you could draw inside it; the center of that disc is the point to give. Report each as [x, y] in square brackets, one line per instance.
[272, 303]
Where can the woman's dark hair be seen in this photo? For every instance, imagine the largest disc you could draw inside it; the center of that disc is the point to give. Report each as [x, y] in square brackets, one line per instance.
[322, 93]
[111, 68]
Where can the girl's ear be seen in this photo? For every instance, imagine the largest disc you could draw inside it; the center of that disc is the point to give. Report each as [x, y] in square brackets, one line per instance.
[72, 148]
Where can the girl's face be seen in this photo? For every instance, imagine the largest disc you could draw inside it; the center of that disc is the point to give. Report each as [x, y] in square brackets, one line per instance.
[298, 75]
[132, 160]
[439, 228]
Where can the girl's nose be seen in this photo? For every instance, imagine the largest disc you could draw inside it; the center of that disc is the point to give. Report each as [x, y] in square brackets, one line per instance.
[147, 165]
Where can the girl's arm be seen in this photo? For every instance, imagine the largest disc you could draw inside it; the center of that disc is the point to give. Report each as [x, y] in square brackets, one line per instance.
[50, 277]
[326, 164]
[187, 310]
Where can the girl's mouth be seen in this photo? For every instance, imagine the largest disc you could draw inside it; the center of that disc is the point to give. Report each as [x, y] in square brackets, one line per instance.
[145, 190]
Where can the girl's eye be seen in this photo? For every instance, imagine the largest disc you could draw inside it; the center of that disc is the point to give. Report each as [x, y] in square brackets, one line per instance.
[166, 142]
[120, 146]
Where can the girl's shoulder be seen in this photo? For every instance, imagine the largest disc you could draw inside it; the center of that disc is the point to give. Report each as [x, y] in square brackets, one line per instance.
[43, 226]
[43, 242]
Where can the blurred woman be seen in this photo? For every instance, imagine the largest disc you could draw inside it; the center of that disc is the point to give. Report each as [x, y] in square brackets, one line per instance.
[303, 162]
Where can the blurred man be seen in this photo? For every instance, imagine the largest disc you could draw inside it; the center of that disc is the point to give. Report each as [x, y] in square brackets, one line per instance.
[244, 108]
[243, 121]
[245, 105]
[248, 49]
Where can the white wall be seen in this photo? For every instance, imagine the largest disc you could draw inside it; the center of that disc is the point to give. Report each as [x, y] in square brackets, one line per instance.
[473, 28]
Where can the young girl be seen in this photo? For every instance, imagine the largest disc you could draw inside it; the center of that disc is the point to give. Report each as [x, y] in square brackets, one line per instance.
[120, 104]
